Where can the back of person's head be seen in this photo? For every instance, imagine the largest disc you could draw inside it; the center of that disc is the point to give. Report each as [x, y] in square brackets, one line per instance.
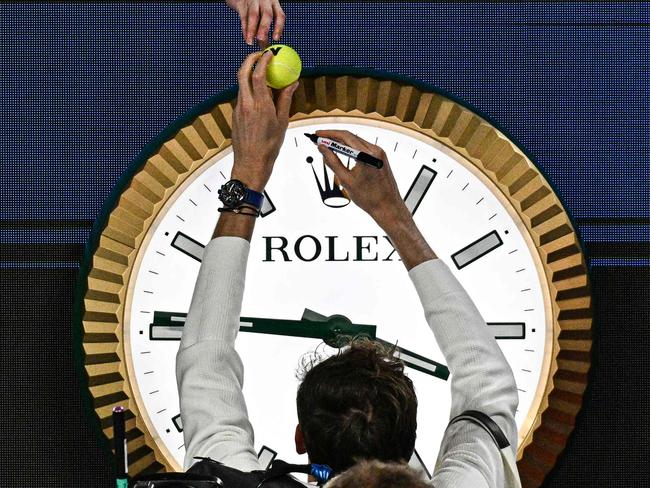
[357, 405]
[375, 474]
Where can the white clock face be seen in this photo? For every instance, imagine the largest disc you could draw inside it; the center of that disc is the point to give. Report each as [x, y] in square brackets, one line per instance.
[308, 253]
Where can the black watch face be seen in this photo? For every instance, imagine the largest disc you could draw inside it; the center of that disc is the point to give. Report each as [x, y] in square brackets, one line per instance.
[232, 193]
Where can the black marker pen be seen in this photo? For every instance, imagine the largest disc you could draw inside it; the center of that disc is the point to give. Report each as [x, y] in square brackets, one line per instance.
[346, 151]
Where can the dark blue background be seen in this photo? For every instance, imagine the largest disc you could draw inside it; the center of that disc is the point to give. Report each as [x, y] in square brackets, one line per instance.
[85, 87]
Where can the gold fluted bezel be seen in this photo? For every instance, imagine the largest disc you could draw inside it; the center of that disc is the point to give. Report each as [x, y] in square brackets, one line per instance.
[430, 114]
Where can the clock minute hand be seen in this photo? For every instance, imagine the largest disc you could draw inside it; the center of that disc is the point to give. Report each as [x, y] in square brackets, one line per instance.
[417, 362]
[411, 359]
[169, 326]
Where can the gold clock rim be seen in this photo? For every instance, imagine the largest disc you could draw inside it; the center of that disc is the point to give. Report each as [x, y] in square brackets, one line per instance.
[430, 113]
[126, 331]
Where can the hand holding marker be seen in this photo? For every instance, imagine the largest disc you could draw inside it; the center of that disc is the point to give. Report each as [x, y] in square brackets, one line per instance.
[346, 151]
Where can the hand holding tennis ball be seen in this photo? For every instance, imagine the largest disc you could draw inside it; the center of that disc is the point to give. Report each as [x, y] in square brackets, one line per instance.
[284, 68]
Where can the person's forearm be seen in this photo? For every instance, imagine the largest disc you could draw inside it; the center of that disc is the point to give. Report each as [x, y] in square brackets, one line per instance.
[235, 225]
[406, 237]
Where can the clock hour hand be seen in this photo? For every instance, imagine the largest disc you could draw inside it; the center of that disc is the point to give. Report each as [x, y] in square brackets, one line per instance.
[168, 326]
[411, 359]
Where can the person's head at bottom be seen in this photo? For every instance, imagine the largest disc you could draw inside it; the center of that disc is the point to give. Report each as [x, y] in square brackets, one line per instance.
[375, 474]
[356, 405]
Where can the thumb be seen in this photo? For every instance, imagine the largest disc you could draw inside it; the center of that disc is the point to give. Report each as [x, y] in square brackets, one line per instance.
[283, 104]
[335, 164]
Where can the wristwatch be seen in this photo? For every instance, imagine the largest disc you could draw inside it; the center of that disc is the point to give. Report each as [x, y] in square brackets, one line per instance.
[234, 194]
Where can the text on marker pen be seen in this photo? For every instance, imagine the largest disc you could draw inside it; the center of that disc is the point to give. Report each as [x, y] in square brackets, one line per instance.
[346, 150]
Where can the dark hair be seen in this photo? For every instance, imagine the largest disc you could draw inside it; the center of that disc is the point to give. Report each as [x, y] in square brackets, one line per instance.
[375, 474]
[357, 405]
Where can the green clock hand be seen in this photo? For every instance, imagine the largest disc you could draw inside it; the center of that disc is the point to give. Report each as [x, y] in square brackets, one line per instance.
[411, 359]
[168, 326]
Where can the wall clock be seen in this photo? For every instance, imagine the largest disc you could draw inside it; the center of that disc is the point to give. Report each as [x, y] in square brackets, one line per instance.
[485, 208]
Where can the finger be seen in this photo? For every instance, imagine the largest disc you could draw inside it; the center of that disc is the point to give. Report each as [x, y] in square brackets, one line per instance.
[244, 75]
[335, 164]
[252, 20]
[260, 88]
[349, 139]
[284, 102]
[265, 23]
[279, 19]
[242, 18]
[337, 184]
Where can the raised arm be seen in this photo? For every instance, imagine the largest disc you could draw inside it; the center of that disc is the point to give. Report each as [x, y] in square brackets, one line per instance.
[209, 371]
[481, 377]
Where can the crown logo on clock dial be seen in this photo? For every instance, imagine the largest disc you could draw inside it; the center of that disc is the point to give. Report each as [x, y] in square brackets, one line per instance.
[332, 194]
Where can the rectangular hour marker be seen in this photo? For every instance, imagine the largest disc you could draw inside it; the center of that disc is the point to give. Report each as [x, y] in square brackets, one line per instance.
[477, 249]
[176, 420]
[267, 206]
[508, 330]
[189, 246]
[266, 456]
[419, 188]
[166, 326]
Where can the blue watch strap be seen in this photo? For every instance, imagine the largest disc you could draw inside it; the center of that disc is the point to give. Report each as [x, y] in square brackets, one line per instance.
[253, 198]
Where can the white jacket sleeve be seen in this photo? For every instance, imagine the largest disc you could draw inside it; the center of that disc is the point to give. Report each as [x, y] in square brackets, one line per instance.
[209, 372]
[481, 380]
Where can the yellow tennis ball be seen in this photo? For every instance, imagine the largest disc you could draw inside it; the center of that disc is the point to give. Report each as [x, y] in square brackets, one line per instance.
[284, 68]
